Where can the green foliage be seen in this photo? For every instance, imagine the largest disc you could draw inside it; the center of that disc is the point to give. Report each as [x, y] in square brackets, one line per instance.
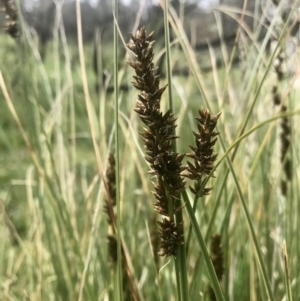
[53, 226]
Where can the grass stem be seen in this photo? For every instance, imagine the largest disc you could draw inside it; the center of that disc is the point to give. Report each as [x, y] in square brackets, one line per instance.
[211, 271]
[117, 156]
[180, 262]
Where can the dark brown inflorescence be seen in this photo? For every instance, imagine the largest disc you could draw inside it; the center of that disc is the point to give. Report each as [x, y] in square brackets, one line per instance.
[285, 141]
[111, 184]
[217, 259]
[11, 26]
[110, 202]
[165, 164]
[202, 153]
[129, 290]
[285, 126]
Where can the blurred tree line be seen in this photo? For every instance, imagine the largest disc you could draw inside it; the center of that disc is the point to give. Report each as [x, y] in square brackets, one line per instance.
[200, 23]
[205, 21]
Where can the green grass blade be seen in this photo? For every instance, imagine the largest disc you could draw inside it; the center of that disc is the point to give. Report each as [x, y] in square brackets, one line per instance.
[119, 282]
[211, 271]
[287, 273]
[180, 261]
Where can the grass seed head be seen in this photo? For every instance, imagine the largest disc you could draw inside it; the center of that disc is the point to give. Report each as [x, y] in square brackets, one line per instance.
[111, 183]
[158, 136]
[203, 153]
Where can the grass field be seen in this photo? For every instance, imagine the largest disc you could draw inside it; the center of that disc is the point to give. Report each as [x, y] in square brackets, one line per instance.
[76, 225]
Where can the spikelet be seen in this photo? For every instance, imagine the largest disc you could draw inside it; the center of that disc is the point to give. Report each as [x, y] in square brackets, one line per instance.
[111, 184]
[129, 290]
[203, 153]
[285, 127]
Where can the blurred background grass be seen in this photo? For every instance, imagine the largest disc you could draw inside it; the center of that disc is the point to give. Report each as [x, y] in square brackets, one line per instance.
[53, 228]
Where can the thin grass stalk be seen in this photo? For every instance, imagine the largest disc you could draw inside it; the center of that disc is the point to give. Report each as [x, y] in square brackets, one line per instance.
[189, 234]
[119, 283]
[23, 55]
[258, 23]
[210, 268]
[41, 67]
[89, 106]
[90, 245]
[20, 16]
[227, 250]
[189, 53]
[55, 45]
[233, 51]
[56, 260]
[180, 261]
[15, 116]
[87, 95]
[297, 222]
[102, 87]
[129, 285]
[68, 70]
[210, 225]
[287, 273]
[252, 231]
[168, 56]
[216, 206]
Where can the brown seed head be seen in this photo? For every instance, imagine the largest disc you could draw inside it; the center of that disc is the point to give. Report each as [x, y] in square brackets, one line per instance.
[202, 153]
[159, 138]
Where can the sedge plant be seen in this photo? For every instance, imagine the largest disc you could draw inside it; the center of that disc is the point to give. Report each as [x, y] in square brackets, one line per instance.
[77, 225]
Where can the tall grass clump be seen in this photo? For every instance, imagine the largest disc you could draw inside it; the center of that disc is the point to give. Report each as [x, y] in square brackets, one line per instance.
[118, 196]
